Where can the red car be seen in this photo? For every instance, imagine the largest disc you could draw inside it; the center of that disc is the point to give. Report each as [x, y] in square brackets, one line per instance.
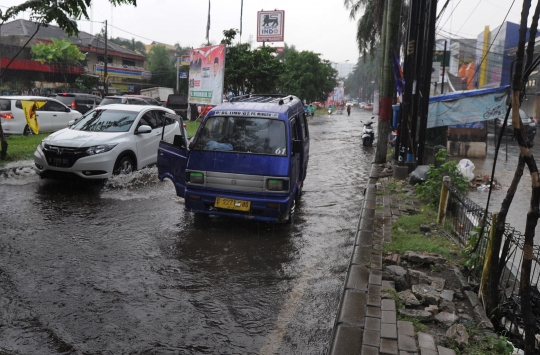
[368, 107]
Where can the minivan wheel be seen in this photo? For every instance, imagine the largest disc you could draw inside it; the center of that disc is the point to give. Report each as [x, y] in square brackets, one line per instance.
[27, 131]
[124, 165]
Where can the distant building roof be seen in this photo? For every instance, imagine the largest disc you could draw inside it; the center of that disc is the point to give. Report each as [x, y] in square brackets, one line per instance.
[21, 27]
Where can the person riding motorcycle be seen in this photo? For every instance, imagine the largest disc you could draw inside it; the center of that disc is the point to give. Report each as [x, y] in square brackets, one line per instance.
[311, 109]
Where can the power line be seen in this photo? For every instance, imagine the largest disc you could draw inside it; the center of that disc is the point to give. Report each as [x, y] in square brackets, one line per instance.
[482, 61]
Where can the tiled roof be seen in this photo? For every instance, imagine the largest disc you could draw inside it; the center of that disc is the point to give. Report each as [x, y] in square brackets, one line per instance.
[26, 28]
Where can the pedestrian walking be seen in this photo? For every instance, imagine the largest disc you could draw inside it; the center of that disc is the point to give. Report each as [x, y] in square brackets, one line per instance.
[348, 110]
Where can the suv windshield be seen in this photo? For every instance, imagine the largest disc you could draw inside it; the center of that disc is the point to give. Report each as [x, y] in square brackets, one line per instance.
[106, 121]
[111, 100]
[245, 135]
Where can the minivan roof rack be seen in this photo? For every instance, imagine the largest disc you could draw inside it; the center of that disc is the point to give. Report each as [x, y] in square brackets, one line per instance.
[279, 98]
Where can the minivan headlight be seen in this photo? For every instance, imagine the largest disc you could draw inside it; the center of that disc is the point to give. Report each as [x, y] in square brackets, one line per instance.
[275, 184]
[98, 149]
[196, 178]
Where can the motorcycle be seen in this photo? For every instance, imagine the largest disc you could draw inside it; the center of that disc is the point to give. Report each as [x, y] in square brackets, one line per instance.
[368, 135]
[330, 111]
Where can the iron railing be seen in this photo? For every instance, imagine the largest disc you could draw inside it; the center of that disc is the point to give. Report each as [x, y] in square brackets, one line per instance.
[462, 223]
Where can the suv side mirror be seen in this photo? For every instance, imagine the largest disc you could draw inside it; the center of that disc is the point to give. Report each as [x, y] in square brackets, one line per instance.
[143, 129]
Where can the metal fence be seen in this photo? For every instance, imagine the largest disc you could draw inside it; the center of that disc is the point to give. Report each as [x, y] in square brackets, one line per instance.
[462, 223]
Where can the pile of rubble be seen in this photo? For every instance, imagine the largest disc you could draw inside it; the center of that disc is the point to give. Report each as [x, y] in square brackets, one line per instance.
[434, 300]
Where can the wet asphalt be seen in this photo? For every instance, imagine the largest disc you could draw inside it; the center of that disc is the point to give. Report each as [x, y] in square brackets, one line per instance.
[123, 269]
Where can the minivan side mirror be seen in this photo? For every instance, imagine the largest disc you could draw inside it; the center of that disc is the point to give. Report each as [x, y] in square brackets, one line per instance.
[297, 146]
[178, 141]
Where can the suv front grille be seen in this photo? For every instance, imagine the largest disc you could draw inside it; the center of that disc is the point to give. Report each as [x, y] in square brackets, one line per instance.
[63, 157]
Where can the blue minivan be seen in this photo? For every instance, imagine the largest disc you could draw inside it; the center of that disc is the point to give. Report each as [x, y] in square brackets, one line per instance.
[248, 159]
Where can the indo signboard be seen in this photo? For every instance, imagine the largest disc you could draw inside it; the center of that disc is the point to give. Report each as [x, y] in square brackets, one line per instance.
[270, 26]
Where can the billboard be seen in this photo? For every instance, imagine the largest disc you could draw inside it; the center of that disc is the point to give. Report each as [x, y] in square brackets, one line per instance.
[270, 26]
[184, 60]
[207, 75]
[464, 107]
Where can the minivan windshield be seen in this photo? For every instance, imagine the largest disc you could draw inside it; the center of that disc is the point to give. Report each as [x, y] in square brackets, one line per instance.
[243, 134]
[106, 121]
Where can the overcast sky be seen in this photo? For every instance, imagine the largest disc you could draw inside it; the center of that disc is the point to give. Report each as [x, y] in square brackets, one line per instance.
[319, 26]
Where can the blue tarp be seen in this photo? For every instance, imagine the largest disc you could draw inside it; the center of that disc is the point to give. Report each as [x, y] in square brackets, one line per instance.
[464, 107]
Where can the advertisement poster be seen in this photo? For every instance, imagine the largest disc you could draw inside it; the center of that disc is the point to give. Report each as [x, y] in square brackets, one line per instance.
[207, 75]
[270, 26]
[466, 107]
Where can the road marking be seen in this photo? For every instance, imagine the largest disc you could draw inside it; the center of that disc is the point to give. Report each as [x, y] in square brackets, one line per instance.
[275, 336]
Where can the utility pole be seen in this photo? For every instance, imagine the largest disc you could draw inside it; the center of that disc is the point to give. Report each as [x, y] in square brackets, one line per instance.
[106, 61]
[443, 68]
[177, 73]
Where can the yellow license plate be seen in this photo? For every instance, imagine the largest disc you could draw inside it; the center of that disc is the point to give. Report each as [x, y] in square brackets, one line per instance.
[230, 204]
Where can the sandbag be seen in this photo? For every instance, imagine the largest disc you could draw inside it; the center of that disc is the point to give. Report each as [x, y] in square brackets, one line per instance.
[419, 175]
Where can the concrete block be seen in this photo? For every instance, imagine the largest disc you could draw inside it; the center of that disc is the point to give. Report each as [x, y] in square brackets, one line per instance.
[353, 308]
[347, 340]
[369, 350]
[388, 317]
[389, 346]
[426, 341]
[400, 172]
[389, 331]
[388, 305]
[445, 351]
[358, 278]
[373, 323]
[406, 343]
[372, 337]
[405, 328]
[374, 312]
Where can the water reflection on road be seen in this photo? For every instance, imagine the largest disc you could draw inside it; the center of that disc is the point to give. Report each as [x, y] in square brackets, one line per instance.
[122, 268]
[504, 173]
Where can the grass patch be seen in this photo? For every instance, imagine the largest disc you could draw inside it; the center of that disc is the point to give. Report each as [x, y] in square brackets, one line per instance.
[22, 147]
[406, 235]
[191, 127]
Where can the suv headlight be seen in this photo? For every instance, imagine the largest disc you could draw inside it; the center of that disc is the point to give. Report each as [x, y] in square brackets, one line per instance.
[98, 149]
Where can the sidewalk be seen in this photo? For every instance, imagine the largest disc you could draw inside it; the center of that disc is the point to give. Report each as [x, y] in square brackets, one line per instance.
[366, 323]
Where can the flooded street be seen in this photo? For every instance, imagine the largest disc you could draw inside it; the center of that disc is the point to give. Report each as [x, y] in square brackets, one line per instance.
[123, 269]
[504, 173]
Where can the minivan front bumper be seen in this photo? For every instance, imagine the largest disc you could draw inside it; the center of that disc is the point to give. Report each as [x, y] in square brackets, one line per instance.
[268, 208]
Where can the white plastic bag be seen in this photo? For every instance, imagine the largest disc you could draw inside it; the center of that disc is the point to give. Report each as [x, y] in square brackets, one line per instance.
[465, 168]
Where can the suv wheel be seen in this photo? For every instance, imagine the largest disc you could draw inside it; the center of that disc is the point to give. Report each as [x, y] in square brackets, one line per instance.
[124, 165]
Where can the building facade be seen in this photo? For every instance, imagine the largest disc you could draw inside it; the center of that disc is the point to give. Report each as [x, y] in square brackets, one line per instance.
[126, 68]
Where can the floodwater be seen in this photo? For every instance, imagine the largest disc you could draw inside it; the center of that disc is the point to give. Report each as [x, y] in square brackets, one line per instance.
[123, 269]
[504, 173]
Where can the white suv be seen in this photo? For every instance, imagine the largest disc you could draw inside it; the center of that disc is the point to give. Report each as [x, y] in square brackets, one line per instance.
[109, 140]
[51, 117]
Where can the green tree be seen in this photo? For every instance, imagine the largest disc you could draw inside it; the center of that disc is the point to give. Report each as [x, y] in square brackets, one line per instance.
[249, 71]
[307, 76]
[136, 46]
[61, 53]
[63, 13]
[160, 63]
[370, 24]
[365, 76]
